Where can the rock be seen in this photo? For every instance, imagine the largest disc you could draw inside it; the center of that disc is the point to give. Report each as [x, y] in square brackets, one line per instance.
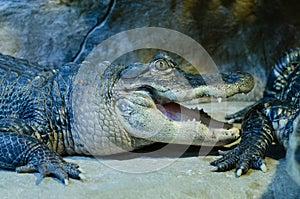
[187, 177]
[162, 171]
[47, 32]
[239, 35]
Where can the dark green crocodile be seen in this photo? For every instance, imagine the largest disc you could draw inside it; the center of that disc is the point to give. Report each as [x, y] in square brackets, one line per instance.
[273, 118]
[75, 110]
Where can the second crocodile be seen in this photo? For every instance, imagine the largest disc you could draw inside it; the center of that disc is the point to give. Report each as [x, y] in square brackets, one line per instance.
[276, 117]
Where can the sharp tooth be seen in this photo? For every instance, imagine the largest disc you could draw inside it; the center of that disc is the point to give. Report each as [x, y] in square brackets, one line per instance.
[194, 120]
[219, 100]
[198, 108]
[192, 107]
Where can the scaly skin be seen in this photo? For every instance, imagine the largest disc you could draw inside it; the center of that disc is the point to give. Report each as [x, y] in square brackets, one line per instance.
[87, 110]
[271, 118]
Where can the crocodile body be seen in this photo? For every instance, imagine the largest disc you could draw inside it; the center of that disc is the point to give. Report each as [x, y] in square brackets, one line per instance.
[78, 109]
[273, 118]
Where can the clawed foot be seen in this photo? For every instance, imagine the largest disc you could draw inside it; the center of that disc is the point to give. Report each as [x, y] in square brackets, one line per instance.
[47, 163]
[241, 159]
[257, 135]
[58, 167]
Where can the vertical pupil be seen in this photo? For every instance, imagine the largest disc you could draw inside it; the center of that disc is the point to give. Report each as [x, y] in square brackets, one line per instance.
[161, 64]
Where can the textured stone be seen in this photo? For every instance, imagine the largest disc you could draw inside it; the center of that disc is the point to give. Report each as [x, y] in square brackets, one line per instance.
[188, 177]
[160, 171]
[47, 32]
[239, 35]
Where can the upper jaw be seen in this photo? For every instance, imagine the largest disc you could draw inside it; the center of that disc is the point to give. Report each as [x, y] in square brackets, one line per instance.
[220, 84]
[203, 88]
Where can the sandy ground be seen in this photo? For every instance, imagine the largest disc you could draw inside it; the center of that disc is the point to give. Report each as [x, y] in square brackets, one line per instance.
[163, 171]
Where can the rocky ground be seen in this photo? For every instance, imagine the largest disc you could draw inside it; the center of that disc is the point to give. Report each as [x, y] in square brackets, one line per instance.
[188, 177]
[158, 172]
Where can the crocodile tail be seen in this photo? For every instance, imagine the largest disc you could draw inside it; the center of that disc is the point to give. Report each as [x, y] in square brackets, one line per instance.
[277, 79]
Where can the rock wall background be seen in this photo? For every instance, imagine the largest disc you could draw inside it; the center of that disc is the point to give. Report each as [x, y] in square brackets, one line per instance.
[238, 34]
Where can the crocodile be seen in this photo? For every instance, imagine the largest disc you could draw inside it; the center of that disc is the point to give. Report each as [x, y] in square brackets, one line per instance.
[274, 118]
[76, 109]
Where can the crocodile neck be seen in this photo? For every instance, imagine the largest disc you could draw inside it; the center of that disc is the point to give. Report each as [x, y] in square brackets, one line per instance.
[59, 102]
[94, 126]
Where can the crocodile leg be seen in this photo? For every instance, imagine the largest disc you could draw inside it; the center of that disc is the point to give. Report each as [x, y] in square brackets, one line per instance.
[24, 153]
[275, 115]
[256, 129]
[265, 122]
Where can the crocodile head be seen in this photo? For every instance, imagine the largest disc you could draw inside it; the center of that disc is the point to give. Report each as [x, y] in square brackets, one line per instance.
[153, 100]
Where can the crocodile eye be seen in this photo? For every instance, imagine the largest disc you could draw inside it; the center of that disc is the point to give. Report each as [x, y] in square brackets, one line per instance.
[161, 65]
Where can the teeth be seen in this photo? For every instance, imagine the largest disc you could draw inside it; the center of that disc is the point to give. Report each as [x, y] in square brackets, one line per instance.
[198, 108]
[192, 107]
[219, 100]
[194, 120]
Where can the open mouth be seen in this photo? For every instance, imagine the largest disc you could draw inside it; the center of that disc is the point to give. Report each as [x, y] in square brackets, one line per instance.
[181, 113]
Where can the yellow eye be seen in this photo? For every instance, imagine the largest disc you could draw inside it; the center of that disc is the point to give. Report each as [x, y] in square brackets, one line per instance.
[161, 65]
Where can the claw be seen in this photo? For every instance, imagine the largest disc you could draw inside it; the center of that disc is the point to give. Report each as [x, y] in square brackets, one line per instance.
[216, 162]
[81, 170]
[214, 169]
[263, 168]
[51, 163]
[82, 177]
[66, 181]
[239, 172]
